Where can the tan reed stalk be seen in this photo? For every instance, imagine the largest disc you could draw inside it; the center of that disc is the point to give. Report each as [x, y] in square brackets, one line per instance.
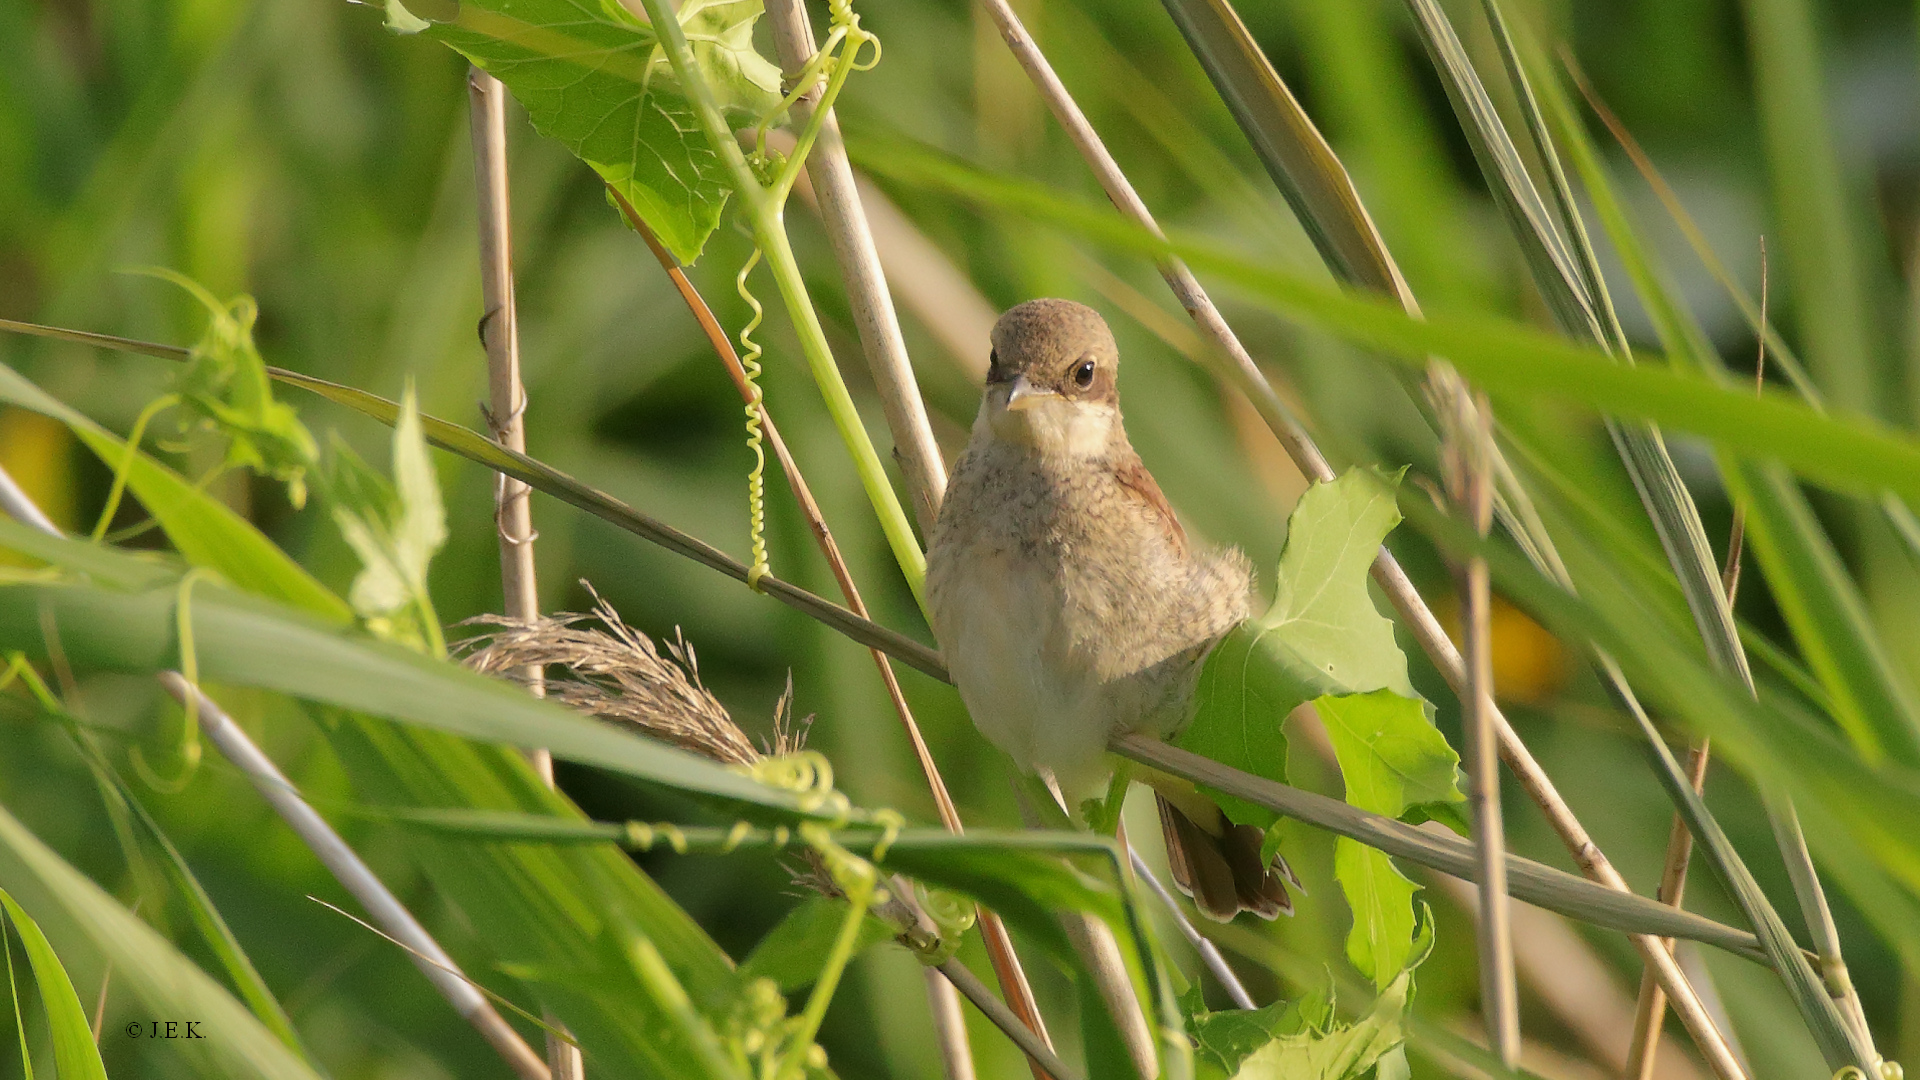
[506, 413]
[1470, 488]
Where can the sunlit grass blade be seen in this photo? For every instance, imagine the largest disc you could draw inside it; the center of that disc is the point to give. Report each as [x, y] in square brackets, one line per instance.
[204, 530]
[87, 928]
[1789, 754]
[209, 534]
[245, 642]
[1852, 453]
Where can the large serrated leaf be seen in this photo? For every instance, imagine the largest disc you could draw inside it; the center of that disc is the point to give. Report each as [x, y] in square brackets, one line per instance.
[1324, 641]
[591, 75]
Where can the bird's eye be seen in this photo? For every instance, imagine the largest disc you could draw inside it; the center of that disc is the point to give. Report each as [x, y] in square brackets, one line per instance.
[1083, 374]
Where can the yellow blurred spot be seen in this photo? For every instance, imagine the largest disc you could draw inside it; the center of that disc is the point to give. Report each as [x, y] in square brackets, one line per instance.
[37, 452]
[1529, 664]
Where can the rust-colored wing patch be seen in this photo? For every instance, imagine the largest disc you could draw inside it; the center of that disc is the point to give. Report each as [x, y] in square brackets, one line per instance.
[1136, 481]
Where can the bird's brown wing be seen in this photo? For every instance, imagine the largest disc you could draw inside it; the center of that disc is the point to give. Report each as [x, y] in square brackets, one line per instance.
[1137, 483]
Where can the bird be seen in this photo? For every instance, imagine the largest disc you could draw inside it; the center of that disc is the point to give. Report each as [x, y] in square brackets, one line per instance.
[1069, 601]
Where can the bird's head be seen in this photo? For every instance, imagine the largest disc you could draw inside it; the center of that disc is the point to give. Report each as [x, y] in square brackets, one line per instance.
[1052, 380]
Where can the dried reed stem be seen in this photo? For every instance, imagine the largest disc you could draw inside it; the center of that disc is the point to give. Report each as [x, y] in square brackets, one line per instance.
[1387, 573]
[1470, 487]
[506, 412]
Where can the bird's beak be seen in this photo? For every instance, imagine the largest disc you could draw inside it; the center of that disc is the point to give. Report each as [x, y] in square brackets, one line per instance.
[1025, 395]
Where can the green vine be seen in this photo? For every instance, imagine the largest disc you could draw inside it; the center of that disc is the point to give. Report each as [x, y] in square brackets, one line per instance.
[125, 469]
[189, 752]
[762, 181]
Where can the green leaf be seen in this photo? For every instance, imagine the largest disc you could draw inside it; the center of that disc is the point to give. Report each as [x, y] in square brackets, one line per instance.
[1339, 1051]
[792, 951]
[1322, 636]
[246, 642]
[1225, 1039]
[225, 382]
[75, 1056]
[204, 530]
[592, 76]
[1324, 641]
[82, 921]
[1391, 756]
[395, 529]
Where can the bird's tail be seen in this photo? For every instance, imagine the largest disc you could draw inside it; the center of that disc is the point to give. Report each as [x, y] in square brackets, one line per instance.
[1218, 864]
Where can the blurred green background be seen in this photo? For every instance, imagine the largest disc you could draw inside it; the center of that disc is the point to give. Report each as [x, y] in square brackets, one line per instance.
[297, 151]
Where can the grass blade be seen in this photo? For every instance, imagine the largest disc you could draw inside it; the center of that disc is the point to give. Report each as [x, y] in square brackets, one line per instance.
[75, 1055]
[79, 919]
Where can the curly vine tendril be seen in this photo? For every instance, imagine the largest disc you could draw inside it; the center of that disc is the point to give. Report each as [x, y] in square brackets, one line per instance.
[750, 352]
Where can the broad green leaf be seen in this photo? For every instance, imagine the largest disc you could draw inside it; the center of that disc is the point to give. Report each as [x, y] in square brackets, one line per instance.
[1224, 1039]
[82, 921]
[1324, 641]
[204, 530]
[1393, 760]
[1343, 1051]
[592, 76]
[74, 1054]
[1381, 941]
[1321, 637]
[1391, 756]
[793, 950]
[225, 382]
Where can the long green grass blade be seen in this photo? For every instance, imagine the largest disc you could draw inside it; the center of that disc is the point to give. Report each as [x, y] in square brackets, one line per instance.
[82, 921]
[1818, 598]
[75, 1056]
[1295, 154]
[204, 530]
[1822, 261]
[246, 642]
[1852, 453]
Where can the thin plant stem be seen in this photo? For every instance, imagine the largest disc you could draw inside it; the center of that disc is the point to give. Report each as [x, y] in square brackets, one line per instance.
[1470, 485]
[1387, 572]
[763, 211]
[844, 218]
[1209, 952]
[506, 415]
[1002, 1017]
[1651, 1005]
[475, 448]
[1532, 882]
[949, 1026]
